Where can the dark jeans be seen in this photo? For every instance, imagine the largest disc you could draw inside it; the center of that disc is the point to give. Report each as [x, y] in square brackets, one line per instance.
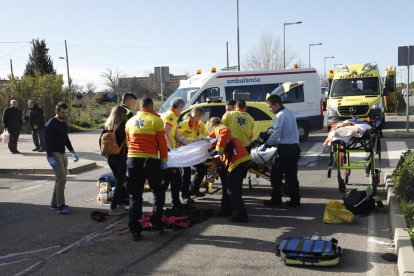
[140, 170]
[38, 136]
[14, 137]
[231, 200]
[286, 164]
[119, 168]
[201, 171]
[172, 176]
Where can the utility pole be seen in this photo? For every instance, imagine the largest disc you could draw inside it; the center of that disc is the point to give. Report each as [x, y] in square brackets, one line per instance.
[67, 67]
[11, 69]
[227, 52]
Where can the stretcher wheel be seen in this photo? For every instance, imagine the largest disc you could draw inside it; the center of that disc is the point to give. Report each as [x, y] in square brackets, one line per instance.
[342, 186]
[375, 179]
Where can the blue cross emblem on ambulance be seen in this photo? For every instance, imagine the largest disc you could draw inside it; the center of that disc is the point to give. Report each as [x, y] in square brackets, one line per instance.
[241, 121]
[139, 123]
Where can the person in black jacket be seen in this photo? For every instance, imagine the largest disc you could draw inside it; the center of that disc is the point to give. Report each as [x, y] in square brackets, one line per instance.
[56, 140]
[129, 101]
[12, 122]
[36, 119]
[116, 122]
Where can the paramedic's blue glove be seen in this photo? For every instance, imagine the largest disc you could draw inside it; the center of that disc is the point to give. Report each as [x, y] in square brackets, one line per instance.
[263, 147]
[52, 161]
[75, 156]
[164, 166]
[212, 141]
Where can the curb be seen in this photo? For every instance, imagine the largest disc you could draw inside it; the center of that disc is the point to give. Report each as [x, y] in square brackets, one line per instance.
[72, 170]
[402, 242]
[397, 134]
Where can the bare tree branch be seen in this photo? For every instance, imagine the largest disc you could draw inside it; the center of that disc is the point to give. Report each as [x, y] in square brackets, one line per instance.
[267, 55]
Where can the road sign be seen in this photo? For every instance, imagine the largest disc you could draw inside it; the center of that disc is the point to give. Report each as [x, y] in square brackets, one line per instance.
[162, 74]
[405, 55]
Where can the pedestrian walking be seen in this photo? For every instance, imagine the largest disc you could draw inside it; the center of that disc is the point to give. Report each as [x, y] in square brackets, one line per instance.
[115, 125]
[56, 139]
[12, 122]
[147, 155]
[36, 119]
[286, 137]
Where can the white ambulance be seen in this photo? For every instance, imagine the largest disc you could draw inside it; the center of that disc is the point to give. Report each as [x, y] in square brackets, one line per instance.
[304, 99]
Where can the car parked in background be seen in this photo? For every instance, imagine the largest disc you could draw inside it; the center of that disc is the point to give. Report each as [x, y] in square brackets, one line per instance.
[324, 91]
[107, 96]
[263, 118]
[404, 92]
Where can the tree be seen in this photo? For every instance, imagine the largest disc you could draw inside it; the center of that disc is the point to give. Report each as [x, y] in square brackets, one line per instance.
[111, 79]
[90, 87]
[267, 55]
[39, 60]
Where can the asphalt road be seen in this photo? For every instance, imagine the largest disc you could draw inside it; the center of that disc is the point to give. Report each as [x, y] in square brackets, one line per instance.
[37, 241]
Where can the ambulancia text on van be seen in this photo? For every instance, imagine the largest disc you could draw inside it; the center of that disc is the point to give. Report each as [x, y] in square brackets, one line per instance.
[304, 100]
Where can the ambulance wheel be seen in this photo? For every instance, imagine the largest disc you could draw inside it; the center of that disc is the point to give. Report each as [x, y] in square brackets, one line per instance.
[342, 186]
[303, 131]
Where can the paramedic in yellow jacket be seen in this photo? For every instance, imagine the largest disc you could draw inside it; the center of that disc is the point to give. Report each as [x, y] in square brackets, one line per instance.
[240, 123]
[147, 155]
[234, 164]
[172, 176]
[193, 129]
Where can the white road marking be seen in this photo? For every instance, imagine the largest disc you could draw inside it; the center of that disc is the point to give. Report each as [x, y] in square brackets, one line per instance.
[32, 187]
[27, 252]
[394, 150]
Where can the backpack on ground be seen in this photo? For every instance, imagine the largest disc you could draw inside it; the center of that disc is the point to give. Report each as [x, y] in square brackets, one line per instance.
[309, 251]
[361, 201]
[109, 146]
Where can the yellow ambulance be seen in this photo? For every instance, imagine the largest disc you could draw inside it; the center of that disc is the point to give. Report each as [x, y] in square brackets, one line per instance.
[356, 90]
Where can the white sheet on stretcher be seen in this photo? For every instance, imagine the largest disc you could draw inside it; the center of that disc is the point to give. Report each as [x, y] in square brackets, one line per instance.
[264, 157]
[346, 133]
[189, 155]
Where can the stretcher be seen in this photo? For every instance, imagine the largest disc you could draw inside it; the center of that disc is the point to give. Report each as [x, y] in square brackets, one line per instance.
[260, 166]
[347, 141]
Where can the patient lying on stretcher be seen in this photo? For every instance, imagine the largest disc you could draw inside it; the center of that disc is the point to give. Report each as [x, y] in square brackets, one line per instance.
[346, 130]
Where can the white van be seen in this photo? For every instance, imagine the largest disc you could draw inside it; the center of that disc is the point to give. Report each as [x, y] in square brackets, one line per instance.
[305, 100]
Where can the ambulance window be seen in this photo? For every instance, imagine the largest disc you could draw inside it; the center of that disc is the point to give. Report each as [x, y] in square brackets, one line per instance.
[256, 92]
[257, 114]
[208, 93]
[295, 95]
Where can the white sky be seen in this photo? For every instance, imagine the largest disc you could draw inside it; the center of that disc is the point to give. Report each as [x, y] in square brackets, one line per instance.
[134, 36]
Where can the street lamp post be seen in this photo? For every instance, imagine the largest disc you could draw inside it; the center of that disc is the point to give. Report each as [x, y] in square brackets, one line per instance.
[310, 45]
[324, 65]
[67, 65]
[238, 38]
[284, 40]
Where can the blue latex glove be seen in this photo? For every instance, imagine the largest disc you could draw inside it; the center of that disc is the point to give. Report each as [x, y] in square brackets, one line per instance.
[164, 166]
[52, 161]
[212, 141]
[263, 147]
[75, 156]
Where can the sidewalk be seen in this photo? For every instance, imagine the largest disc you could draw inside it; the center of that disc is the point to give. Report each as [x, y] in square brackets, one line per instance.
[87, 147]
[29, 162]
